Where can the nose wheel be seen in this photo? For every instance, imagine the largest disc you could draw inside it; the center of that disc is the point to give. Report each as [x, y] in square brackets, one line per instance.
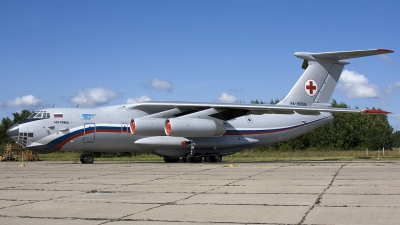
[87, 158]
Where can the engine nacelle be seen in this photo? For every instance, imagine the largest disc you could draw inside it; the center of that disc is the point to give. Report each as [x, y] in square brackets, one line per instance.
[193, 128]
[148, 127]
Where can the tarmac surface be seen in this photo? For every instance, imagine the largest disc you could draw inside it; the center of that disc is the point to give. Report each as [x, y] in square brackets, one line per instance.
[206, 193]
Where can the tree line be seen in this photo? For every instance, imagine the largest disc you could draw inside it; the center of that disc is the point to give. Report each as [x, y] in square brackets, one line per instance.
[396, 139]
[347, 132]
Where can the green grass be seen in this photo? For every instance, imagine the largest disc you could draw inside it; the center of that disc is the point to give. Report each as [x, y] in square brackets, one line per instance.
[250, 155]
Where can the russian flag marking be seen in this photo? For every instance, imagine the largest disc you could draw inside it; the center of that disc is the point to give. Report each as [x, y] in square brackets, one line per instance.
[58, 115]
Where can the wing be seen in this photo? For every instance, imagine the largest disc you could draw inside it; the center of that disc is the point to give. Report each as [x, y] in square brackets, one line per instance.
[228, 111]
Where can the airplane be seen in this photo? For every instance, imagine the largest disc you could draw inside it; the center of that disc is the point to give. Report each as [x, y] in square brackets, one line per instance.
[193, 131]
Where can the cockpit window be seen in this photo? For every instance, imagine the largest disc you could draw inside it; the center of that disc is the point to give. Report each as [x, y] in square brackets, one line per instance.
[39, 115]
[36, 116]
[32, 115]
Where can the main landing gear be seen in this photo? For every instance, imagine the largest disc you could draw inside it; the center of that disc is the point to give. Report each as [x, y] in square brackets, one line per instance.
[196, 158]
[213, 158]
[86, 158]
[171, 160]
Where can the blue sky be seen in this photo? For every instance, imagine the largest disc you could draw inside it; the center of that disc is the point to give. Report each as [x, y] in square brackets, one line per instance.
[96, 53]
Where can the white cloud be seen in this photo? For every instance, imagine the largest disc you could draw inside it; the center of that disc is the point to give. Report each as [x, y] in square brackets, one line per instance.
[26, 101]
[161, 85]
[355, 85]
[393, 87]
[93, 97]
[225, 97]
[142, 98]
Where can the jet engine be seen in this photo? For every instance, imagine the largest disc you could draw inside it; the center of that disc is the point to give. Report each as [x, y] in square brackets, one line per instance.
[148, 127]
[193, 128]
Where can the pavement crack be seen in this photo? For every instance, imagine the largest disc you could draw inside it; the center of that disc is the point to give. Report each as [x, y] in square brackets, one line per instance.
[318, 200]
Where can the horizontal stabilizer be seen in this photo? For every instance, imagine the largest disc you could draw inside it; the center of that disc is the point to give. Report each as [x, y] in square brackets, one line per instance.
[340, 55]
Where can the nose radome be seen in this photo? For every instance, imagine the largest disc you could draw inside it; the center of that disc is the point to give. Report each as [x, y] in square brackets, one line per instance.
[13, 131]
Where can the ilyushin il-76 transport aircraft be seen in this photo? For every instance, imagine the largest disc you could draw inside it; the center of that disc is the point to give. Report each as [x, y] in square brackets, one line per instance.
[193, 131]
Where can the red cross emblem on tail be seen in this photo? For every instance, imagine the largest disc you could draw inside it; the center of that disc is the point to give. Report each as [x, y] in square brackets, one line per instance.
[311, 87]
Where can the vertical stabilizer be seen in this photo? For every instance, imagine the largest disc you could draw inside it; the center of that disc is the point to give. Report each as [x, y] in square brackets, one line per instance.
[322, 73]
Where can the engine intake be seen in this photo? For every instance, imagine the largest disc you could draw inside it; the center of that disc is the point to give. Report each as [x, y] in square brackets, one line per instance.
[193, 128]
[148, 127]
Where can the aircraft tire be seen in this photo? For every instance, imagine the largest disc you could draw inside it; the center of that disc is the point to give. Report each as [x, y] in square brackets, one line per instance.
[171, 160]
[215, 158]
[184, 159]
[196, 158]
[87, 158]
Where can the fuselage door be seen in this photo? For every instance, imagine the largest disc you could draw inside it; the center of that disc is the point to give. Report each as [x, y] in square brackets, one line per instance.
[89, 132]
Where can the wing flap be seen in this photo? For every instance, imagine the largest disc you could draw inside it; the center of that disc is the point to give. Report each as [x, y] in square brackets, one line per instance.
[310, 113]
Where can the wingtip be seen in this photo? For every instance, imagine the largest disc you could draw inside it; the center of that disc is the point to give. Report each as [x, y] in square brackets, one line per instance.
[375, 111]
[385, 50]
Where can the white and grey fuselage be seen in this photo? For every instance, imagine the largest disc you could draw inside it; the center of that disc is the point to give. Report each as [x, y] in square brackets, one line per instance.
[108, 129]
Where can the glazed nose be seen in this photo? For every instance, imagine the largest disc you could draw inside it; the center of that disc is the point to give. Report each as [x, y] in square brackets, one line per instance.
[13, 131]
